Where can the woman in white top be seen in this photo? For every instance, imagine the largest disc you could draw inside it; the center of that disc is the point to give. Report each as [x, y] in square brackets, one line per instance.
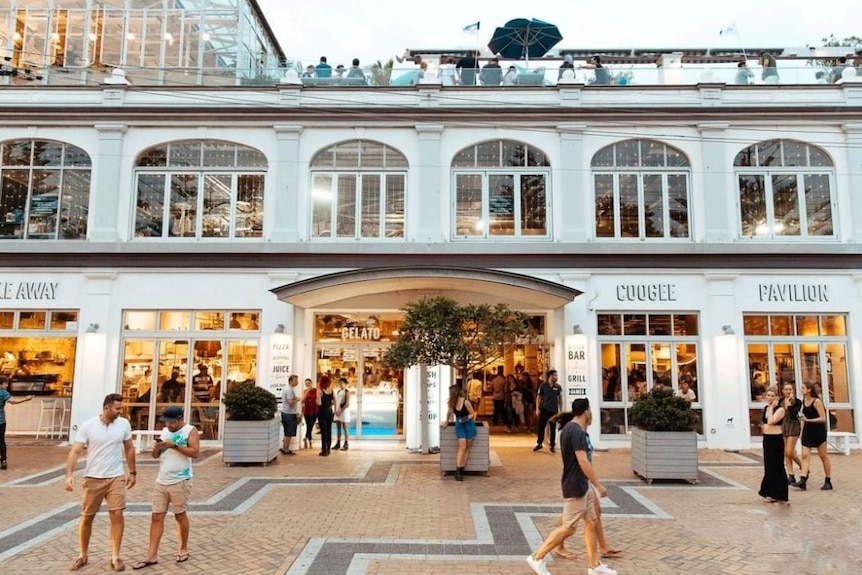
[342, 414]
[447, 72]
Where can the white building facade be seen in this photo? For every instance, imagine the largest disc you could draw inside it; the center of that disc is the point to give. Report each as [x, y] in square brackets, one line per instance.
[704, 233]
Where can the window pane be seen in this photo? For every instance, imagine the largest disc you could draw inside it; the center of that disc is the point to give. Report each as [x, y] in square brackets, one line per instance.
[746, 157]
[138, 381]
[244, 321]
[150, 205]
[249, 205]
[536, 157]
[836, 373]
[173, 372]
[610, 324]
[685, 324]
[785, 364]
[154, 158]
[184, 205]
[611, 379]
[501, 205]
[32, 320]
[785, 205]
[47, 154]
[833, 325]
[613, 421]
[769, 153]
[843, 419]
[250, 158]
[795, 153]
[604, 184]
[604, 158]
[7, 319]
[370, 209]
[634, 324]
[806, 325]
[209, 321]
[321, 195]
[347, 155]
[660, 365]
[635, 370]
[76, 157]
[468, 205]
[755, 325]
[60, 320]
[14, 192]
[218, 193]
[818, 205]
[533, 205]
[629, 208]
[652, 153]
[653, 206]
[174, 320]
[394, 158]
[627, 153]
[677, 200]
[810, 353]
[686, 361]
[44, 204]
[466, 158]
[758, 367]
[488, 154]
[17, 153]
[75, 204]
[675, 158]
[781, 325]
[184, 155]
[752, 204]
[139, 320]
[394, 213]
[219, 154]
[816, 158]
[371, 154]
[345, 207]
[659, 324]
[514, 153]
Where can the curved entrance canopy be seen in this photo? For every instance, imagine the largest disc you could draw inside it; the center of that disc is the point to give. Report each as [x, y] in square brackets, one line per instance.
[394, 287]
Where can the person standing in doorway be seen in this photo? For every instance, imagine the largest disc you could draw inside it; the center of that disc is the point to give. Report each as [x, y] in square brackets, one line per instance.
[578, 497]
[549, 401]
[106, 437]
[176, 448]
[498, 393]
[309, 409]
[342, 414]
[289, 414]
[6, 397]
[813, 436]
[324, 414]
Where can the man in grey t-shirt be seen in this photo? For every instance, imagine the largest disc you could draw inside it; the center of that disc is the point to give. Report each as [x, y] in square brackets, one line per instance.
[290, 413]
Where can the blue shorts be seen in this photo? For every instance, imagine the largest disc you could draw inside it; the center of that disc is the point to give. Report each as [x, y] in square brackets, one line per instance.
[289, 422]
[465, 430]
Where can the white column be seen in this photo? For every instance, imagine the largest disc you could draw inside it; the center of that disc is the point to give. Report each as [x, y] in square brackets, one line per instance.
[853, 136]
[572, 191]
[426, 204]
[283, 203]
[715, 198]
[107, 172]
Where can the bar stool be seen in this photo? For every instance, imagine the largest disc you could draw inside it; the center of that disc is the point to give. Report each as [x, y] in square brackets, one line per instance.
[47, 418]
[61, 406]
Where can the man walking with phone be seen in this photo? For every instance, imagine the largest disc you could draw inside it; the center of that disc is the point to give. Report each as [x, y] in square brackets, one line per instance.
[175, 449]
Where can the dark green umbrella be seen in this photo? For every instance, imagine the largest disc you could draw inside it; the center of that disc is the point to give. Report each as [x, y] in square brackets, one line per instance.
[524, 39]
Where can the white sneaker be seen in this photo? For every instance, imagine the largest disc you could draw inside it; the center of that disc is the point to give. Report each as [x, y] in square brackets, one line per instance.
[538, 565]
[602, 569]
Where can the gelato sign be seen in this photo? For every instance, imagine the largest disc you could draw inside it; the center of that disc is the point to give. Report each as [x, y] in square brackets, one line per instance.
[28, 291]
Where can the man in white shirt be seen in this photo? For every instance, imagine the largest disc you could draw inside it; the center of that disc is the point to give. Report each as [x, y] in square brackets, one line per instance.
[290, 405]
[176, 448]
[106, 438]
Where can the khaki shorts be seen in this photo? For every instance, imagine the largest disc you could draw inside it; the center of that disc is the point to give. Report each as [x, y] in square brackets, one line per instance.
[175, 494]
[577, 508]
[96, 490]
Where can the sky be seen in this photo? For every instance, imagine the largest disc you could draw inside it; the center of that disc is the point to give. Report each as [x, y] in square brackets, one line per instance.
[378, 29]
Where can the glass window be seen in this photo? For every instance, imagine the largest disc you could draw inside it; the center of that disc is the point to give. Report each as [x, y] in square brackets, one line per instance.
[497, 201]
[650, 203]
[200, 189]
[139, 320]
[209, 320]
[32, 320]
[799, 349]
[44, 190]
[642, 351]
[7, 319]
[61, 320]
[363, 154]
[174, 320]
[784, 191]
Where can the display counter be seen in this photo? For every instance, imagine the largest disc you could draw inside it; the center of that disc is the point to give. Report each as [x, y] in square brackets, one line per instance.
[379, 412]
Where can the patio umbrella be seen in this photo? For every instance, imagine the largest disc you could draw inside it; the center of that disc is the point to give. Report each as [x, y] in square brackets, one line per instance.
[522, 38]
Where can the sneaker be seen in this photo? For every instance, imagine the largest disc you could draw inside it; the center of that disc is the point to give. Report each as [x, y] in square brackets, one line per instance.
[602, 569]
[538, 566]
[537, 448]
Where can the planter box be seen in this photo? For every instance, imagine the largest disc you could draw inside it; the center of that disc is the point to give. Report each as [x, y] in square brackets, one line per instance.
[664, 455]
[251, 441]
[479, 459]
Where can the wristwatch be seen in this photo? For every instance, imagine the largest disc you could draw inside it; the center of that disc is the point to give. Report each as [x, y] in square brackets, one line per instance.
[133, 472]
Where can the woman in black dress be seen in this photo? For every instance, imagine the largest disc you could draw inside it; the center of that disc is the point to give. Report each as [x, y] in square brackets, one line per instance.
[773, 487]
[324, 414]
[814, 435]
[791, 428]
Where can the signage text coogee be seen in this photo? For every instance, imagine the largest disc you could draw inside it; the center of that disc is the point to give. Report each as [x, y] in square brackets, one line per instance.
[646, 292]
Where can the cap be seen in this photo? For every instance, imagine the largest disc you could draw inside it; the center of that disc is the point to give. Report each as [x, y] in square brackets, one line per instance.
[171, 413]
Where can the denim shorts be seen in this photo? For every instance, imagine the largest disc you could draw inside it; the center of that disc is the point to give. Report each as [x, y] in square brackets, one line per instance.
[465, 430]
[289, 422]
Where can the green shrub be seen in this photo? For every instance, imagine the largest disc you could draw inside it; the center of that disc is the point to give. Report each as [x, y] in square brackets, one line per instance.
[661, 410]
[248, 402]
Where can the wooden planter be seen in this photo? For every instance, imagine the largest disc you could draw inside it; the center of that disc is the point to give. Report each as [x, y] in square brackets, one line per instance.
[479, 459]
[664, 455]
[251, 441]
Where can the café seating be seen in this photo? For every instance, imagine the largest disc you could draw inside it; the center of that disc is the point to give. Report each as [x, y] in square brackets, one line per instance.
[52, 418]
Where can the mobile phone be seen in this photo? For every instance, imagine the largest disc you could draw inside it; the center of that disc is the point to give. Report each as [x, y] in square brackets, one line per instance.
[157, 440]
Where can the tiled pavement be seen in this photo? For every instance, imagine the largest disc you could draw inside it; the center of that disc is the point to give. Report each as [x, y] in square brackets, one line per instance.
[380, 510]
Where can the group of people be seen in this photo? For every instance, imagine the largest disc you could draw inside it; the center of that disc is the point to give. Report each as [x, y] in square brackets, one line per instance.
[324, 69]
[786, 420]
[323, 405]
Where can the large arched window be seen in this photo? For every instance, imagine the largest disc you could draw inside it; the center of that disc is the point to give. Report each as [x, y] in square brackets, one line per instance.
[784, 190]
[44, 190]
[200, 189]
[501, 190]
[641, 191]
[358, 190]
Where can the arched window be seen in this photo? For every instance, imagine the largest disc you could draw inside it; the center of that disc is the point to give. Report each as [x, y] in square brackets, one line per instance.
[641, 191]
[200, 189]
[358, 190]
[44, 190]
[501, 190]
[784, 190]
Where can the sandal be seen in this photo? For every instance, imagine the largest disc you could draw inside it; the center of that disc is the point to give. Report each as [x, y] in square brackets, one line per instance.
[563, 554]
[182, 557]
[143, 564]
[78, 563]
[117, 565]
[613, 551]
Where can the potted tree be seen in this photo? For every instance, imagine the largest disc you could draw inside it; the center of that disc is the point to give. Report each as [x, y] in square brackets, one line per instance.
[664, 443]
[251, 431]
[468, 338]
